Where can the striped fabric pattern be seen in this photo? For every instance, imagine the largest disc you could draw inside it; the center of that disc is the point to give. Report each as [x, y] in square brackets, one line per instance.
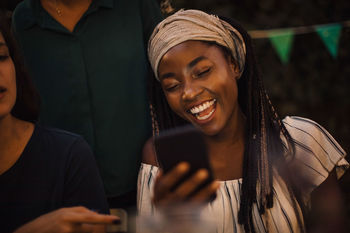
[318, 153]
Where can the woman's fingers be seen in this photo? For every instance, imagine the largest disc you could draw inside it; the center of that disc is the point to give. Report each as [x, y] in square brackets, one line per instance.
[84, 215]
[93, 218]
[70, 219]
[205, 193]
[164, 196]
[191, 184]
[183, 191]
[164, 183]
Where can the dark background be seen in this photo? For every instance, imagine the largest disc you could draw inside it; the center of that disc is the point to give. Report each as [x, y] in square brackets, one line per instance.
[312, 84]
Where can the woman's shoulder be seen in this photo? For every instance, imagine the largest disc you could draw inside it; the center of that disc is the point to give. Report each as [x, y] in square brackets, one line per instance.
[309, 133]
[58, 134]
[317, 153]
[149, 154]
[58, 141]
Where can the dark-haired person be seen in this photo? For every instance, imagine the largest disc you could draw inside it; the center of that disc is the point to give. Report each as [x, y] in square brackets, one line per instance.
[206, 74]
[88, 61]
[49, 181]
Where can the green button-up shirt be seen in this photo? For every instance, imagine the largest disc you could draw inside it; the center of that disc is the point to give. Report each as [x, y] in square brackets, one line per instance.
[92, 80]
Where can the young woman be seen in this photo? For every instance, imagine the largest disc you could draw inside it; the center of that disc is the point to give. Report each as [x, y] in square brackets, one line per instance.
[49, 181]
[206, 74]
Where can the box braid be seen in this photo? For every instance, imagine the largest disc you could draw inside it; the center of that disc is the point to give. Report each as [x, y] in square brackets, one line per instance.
[263, 143]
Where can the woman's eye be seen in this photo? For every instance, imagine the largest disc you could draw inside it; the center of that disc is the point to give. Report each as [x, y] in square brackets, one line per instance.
[203, 72]
[171, 87]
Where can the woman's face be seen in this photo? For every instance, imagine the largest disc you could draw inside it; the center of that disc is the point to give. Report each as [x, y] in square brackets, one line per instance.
[199, 82]
[7, 80]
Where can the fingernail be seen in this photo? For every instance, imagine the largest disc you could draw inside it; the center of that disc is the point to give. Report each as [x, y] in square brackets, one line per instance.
[183, 166]
[216, 185]
[202, 173]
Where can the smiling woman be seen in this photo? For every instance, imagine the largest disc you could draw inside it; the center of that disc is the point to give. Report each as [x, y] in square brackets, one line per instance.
[199, 83]
[205, 74]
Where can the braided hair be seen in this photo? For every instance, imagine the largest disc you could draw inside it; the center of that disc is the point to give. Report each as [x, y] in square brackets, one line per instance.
[263, 144]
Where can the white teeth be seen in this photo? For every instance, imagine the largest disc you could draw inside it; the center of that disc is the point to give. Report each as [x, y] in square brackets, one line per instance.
[202, 107]
[205, 116]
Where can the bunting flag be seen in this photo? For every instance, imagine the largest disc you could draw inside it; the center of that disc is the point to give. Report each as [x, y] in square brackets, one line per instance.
[330, 35]
[282, 41]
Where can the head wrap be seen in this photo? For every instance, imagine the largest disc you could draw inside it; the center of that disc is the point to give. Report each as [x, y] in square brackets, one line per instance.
[187, 25]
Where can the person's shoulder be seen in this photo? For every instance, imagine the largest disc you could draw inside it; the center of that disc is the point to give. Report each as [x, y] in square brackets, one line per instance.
[149, 154]
[22, 16]
[303, 129]
[296, 123]
[58, 136]
[310, 135]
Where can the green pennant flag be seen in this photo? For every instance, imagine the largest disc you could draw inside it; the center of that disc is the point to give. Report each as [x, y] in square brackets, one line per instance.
[330, 36]
[282, 41]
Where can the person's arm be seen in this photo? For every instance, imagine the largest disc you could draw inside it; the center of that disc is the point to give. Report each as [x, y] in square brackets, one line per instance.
[327, 207]
[66, 220]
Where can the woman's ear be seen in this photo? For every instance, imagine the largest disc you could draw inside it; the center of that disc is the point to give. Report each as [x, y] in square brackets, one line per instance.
[234, 68]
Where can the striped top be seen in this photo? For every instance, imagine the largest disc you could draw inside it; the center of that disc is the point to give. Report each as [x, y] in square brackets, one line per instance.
[315, 149]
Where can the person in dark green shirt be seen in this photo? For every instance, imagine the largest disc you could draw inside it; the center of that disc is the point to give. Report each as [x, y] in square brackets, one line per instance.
[90, 68]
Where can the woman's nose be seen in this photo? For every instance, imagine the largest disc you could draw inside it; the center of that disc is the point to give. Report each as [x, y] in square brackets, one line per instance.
[190, 91]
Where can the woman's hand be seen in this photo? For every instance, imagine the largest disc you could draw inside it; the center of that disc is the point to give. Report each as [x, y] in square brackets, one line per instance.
[74, 219]
[164, 196]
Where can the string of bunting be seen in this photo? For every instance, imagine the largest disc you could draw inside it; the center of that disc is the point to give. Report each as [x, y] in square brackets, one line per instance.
[282, 38]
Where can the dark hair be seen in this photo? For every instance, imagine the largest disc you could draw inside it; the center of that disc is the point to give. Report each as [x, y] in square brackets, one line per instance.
[263, 144]
[28, 101]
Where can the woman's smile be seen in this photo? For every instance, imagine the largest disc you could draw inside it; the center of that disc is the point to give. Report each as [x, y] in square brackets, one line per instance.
[199, 82]
[203, 112]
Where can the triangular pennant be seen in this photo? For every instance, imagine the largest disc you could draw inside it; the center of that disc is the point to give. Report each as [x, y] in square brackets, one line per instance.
[282, 41]
[330, 36]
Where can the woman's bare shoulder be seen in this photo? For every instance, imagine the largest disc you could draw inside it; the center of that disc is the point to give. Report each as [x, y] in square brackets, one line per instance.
[148, 153]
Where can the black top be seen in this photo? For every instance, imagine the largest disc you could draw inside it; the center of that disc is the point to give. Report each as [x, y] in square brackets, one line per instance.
[56, 169]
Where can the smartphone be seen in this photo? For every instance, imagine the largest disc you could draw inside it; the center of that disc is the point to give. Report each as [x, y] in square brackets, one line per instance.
[180, 144]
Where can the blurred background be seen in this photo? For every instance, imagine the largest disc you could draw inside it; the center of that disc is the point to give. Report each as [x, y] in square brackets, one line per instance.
[302, 75]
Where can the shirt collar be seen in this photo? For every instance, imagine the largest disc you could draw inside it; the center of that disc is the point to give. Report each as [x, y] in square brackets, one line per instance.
[33, 13]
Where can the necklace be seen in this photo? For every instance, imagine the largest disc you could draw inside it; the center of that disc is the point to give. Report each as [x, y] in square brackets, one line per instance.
[58, 10]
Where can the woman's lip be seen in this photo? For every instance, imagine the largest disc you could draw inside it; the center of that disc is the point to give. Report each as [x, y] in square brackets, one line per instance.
[197, 104]
[198, 121]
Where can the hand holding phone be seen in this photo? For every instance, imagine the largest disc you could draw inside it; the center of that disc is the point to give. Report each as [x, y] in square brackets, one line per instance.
[182, 154]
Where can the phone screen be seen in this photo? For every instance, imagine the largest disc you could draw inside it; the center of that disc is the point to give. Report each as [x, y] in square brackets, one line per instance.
[183, 144]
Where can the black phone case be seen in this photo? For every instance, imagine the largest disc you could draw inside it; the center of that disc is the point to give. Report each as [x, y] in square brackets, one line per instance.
[183, 144]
